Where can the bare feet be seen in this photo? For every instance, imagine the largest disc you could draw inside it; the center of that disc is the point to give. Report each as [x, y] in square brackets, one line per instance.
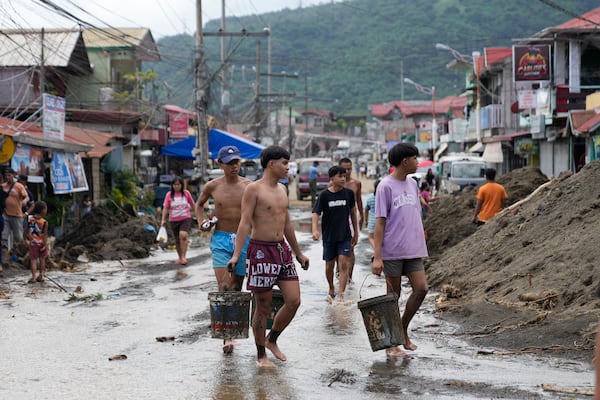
[228, 346]
[275, 350]
[410, 345]
[395, 352]
[265, 363]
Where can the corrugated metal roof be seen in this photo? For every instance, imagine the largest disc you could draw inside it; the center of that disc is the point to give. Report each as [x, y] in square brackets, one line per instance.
[23, 48]
[99, 140]
[139, 39]
[409, 108]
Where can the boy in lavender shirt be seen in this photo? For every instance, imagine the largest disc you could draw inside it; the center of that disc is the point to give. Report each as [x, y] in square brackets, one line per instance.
[399, 237]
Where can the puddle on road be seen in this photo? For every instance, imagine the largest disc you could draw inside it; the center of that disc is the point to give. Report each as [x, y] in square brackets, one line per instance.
[55, 349]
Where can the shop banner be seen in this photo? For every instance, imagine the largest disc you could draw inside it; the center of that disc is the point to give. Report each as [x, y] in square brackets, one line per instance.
[67, 173]
[178, 124]
[53, 117]
[531, 63]
[28, 160]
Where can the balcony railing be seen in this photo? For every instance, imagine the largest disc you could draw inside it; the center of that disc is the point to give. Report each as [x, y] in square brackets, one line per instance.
[491, 116]
[567, 101]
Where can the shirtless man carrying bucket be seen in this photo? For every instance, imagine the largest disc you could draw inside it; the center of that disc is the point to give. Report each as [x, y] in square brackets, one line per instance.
[269, 257]
[226, 193]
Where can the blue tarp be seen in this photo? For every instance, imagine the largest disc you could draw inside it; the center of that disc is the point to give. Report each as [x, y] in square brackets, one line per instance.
[216, 139]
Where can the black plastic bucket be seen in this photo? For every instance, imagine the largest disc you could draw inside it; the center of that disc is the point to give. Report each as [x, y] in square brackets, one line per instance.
[229, 314]
[276, 304]
[382, 320]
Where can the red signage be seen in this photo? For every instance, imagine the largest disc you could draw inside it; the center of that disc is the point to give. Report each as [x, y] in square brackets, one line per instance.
[178, 124]
[531, 63]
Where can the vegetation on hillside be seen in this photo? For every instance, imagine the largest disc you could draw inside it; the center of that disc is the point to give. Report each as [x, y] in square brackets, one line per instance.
[351, 54]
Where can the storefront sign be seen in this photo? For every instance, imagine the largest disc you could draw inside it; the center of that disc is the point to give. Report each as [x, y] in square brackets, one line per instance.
[178, 124]
[7, 148]
[531, 63]
[67, 173]
[53, 117]
[28, 160]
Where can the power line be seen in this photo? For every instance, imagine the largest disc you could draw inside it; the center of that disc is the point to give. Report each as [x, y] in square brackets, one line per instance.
[568, 12]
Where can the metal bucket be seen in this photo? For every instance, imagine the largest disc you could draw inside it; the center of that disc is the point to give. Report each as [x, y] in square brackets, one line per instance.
[229, 314]
[276, 304]
[382, 320]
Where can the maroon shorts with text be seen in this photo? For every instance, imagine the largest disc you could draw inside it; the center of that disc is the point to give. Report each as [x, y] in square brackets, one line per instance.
[268, 262]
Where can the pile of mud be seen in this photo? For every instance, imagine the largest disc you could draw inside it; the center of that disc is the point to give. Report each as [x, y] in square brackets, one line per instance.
[527, 277]
[450, 221]
[103, 234]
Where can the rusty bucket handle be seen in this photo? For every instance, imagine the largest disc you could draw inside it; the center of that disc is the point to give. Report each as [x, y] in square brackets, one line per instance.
[387, 285]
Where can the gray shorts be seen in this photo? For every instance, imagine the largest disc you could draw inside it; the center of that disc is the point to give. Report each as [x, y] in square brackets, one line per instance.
[396, 268]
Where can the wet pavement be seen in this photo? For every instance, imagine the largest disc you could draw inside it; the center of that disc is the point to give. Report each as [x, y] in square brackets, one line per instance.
[54, 348]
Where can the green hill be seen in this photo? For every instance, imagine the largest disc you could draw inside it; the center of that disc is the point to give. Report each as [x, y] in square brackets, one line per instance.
[351, 54]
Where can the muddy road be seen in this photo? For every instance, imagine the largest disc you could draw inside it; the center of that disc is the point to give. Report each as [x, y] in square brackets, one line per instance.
[57, 341]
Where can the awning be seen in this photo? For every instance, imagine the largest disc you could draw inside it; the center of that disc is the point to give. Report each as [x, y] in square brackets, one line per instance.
[493, 152]
[443, 147]
[477, 148]
[216, 139]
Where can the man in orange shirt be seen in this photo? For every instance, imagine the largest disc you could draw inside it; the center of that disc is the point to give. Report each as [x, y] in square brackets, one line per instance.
[13, 213]
[491, 198]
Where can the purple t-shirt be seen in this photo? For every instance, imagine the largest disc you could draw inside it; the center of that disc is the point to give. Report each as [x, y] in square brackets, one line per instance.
[398, 202]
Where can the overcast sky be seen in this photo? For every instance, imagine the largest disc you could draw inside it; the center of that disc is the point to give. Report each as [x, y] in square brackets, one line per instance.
[163, 17]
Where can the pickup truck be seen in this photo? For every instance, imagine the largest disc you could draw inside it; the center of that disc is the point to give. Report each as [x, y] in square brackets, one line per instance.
[460, 171]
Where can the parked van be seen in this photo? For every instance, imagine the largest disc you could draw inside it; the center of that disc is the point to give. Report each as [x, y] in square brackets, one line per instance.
[458, 171]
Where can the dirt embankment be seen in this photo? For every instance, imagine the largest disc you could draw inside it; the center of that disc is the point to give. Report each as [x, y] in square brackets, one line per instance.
[526, 280]
[104, 235]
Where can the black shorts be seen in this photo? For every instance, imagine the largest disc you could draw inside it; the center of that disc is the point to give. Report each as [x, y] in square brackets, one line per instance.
[181, 226]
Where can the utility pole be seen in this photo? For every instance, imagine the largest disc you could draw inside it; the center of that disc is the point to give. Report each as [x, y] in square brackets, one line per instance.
[201, 150]
[305, 89]
[291, 133]
[269, 65]
[243, 33]
[257, 98]
[225, 99]
[42, 69]
[280, 103]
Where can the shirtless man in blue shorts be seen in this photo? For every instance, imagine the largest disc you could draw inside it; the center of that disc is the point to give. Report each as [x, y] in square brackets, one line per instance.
[226, 193]
[269, 257]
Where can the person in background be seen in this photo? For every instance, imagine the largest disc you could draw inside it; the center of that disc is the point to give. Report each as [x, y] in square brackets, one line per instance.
[286, 182]
[491, 198]
[269, 257]
[337, 206]
[399, 240]
[27, 208]
[37, 238]
[226, 192]
[430, 179]
[356, 186]
[2, 207]
[313, 174]
[425, 200]
[177, 205]
[13, 213]
[86, 205]
[370, 214]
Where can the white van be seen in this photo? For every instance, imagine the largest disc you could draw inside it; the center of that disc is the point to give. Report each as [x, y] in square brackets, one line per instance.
[458, 171]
